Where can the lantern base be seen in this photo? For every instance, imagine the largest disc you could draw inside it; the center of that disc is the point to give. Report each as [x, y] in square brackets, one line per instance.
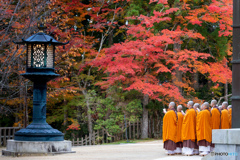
[40, 148]
[40, 76]
[39, 132]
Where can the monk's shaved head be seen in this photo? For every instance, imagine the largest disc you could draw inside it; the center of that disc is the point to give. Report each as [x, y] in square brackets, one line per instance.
[196, 105]
[213, 103]
[190, 104]
[224, 105]
[202, 107]
[230, 106]
[206, 105]
[179, 108]
[220, 107]
[171, 105]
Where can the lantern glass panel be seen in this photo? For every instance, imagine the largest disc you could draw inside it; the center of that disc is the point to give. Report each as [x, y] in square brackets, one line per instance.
[29, 50]
[49, 56]
[38, 55]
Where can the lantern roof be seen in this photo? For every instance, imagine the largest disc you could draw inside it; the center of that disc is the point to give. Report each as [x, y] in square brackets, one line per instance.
[41, 37]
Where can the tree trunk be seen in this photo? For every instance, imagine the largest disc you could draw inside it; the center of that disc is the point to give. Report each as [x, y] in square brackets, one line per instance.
[26, 106]
[155, 124]
[89, 116]
[145, 117]
[151, 127]
[209, 84]
[78, 117]
[177, 48]
[21, 105]
[179, 79]
[65, 116]
[196, 81]
[110, 38]
[226, 91]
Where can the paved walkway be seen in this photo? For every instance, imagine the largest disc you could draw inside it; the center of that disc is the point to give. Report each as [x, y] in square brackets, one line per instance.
[135, 151]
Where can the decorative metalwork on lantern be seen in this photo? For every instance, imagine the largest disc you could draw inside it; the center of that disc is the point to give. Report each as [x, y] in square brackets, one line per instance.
[29, 51]
[50, 56]
[38, 56]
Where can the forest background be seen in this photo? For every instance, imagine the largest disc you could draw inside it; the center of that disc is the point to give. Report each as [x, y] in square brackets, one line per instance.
[126, 58]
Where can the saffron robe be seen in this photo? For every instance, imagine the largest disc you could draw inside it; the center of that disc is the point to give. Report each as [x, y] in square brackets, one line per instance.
[179, 127]
[189, 125]
[170, 126]
[225, 119]
[216, 118]
[204, 126]
[197, 111]
[230, 117]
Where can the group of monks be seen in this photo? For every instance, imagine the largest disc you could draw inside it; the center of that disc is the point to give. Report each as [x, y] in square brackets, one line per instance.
[190, 133]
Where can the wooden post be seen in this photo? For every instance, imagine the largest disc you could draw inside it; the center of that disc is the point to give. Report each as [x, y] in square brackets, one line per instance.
[86, 141]
[153, 129]
[0, 136]
[98, 136]
[102, 136]
[235, 66]
[82, 141]
[137, 129]
[149, 128]
[9, 133]
[77, 141]
[134, 133]
[129, 129]
[4, 137]
[140, 131]
[93, 137]
[73, 142]
[160, 129]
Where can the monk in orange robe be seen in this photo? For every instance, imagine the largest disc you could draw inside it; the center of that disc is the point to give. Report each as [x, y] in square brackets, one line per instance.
[170, 129]
[225, 116]
[216, 117]
[179, 130]
[230, 115]
[189, 130]
[204, 130]
[196, 107]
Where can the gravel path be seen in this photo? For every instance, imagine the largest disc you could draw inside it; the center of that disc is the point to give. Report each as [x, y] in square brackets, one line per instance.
[135, 151]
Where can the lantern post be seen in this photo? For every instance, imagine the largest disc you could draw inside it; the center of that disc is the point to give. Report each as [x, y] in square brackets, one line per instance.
[40, 70]
[39, 136]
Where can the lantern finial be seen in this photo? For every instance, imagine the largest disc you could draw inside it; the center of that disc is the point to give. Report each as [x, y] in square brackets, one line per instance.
[41, 26]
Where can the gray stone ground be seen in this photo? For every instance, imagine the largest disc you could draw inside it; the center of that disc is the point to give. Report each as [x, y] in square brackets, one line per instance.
[135, 151]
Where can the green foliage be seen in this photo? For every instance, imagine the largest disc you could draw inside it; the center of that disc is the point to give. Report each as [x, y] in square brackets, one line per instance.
[111, 111]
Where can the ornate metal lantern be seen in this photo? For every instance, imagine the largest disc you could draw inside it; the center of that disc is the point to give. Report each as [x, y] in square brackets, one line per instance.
[40, 55]
[40, 70]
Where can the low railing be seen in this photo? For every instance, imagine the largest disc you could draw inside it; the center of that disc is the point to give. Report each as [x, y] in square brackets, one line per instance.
[7, 133]
[101, 137]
